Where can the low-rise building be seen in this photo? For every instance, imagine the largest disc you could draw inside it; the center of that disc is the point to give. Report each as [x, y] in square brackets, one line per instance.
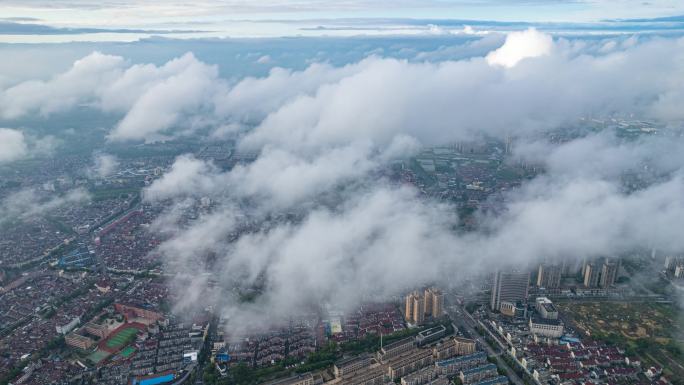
[421, 377]
[551, 328]
[469, 376]
[465, 346]
[430, 335]
[78, 341]
[545, 308]
[374, 376]
[302, 379]
[350, 365]
[409, 363]
[500, 380]
[455, 365]
[453, 347]
[396, 348]
[65, 328]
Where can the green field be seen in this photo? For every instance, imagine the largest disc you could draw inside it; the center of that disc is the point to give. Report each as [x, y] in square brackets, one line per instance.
[127, 352]
[98, 356]
[122, 338]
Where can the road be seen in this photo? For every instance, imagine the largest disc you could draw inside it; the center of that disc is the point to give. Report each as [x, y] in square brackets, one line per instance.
[464, 322]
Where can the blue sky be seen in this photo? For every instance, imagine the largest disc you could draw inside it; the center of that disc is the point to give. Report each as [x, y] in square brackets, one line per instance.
[76, 19]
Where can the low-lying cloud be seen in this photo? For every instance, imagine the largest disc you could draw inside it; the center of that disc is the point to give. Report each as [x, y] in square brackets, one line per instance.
[534, 82]
[313, 219]
[325, 226]
[12, 145]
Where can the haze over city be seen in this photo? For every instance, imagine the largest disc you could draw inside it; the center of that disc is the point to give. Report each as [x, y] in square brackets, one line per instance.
[357, 192]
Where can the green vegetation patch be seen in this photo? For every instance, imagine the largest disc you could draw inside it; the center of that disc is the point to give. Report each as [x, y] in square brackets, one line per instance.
[97, 356]
[127, 352]
[122, 338]
[651, 331]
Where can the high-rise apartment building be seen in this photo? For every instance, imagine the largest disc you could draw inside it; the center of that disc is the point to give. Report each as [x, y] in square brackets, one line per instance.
[434, 302]
[509, 286]
[415, 308]
[600, 273]
[592, 273]
[419, 305]
[549, 275]
[674, 266]
[418, 310]
[408, 308]
[609, 273]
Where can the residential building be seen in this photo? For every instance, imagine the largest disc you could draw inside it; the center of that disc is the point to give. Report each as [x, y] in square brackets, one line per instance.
[549, 275]
[302, 379]
[68, 326]
[350, 365]
[455, 365]
[545, 308]
[396, 348]
[592, 274]
[421, 377]
[509, 286]
[465, 346]
[551, 328]
[476, 374]
[434, 302]
[78, 341]
[500, 380]
[430, 335]
[409, 363]
[375, 376]
[609, 273]
[415, 308]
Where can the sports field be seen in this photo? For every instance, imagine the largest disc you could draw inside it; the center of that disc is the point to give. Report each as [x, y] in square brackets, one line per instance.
[127, 352]
[98, 356]
[121, 338]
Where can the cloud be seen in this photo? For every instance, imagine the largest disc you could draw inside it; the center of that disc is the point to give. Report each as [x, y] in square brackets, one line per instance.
[28, 203]
[519, 46]
[453, 100]
[153, 99]
[252, 99]
[64, 91]
[188, 175]
[380, 242]
[105, 165]
[312, 219]
[12, 145]
[375, 98]
[276, 179]
[164, 103]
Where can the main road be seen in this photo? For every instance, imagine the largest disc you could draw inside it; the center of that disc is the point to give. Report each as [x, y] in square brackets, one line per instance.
[464, 322]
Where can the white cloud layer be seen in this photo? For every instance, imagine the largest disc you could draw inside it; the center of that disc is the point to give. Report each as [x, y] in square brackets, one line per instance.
[28, 203]
[12, 145]
[519, 46]
[534, 82]
[104, 165]
[325, 134]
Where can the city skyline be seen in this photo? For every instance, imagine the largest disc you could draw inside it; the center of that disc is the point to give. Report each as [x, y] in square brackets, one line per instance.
[361, 192]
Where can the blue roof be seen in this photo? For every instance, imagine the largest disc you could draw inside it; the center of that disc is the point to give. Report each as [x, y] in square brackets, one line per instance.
[155, 380]
[569, 339]
[469, 357]
[480, 369]
[494, 381]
